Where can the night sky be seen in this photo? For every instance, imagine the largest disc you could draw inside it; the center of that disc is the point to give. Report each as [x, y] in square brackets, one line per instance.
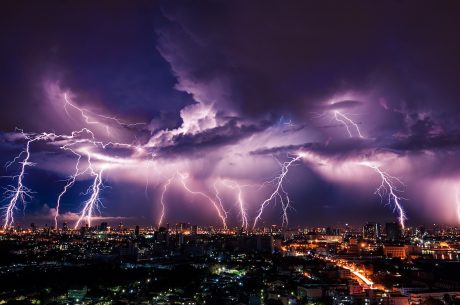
[207, 104]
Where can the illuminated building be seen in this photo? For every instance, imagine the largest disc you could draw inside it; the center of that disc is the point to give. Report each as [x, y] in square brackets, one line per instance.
[395, 251]
[371, 230]
[194, 229]
[182, 227]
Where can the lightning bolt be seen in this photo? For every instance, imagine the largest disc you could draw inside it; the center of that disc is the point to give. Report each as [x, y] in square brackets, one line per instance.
[20, 192]
[162, 200]
[68, 185]
[279, 192]
[389, 188]
[239, 197]
[88, 116]
[71, 180]
[219, 200]
[94, 200]
[220, 213]
[389, 185]
[346, 121]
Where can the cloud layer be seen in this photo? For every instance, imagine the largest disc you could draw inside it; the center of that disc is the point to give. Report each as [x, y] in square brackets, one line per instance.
[248, 86]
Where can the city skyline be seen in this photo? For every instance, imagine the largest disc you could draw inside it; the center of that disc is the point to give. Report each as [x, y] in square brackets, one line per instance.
[156, 112]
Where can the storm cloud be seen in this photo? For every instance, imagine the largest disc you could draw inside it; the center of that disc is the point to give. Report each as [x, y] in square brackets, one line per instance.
[215, 91]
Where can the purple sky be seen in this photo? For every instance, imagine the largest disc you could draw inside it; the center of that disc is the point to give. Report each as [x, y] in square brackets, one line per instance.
[204, 104]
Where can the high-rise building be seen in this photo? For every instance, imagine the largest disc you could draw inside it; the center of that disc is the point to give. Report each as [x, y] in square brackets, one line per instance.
[256, 243]
[182, 227]
[129, 251]
[162, 236]
[332, 231]
[393, 231]
[194, 229]
[371, 230]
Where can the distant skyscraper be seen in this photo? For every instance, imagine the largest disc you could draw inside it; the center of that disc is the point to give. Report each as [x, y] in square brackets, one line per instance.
[256, 243]
[64, 226]
[371, 230]
[332, 231]
[162, 236]
[194, 229]
[393, 231]
[136, 231]
[182, 227]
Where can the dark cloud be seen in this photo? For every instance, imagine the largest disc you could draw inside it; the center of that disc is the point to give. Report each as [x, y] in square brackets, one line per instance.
[432, 143]
[208, 76]
[275, 57]
[356, 147]
[213, 138]
[105, 52]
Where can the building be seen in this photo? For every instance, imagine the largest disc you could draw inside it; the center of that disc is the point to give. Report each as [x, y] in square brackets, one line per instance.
[398, 299]
[194, 230]
[371, 230]
[344, 273]
[323, 238]
[393, 231]
[393, 251]
[354, 287]
[256, 243]
[417, 298]
[182, 227]
[129, 251]
[310, 292]
[162, 236]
